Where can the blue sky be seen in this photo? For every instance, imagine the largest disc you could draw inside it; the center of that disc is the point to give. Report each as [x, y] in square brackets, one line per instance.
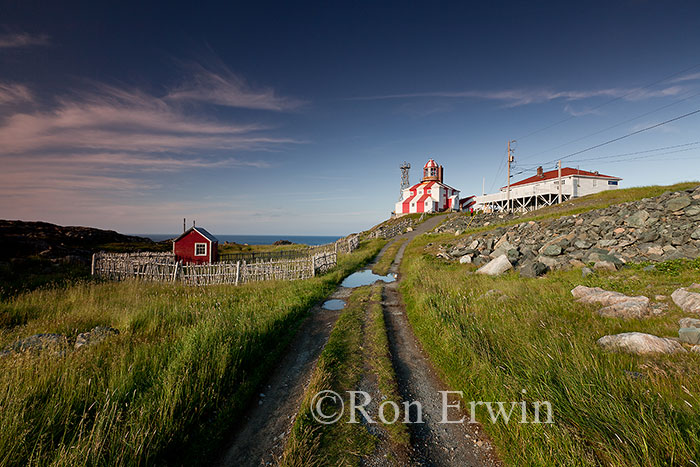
[293, 118]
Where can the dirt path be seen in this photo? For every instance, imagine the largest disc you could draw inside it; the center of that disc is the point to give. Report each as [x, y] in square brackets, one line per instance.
[433, 443]
[260, 436]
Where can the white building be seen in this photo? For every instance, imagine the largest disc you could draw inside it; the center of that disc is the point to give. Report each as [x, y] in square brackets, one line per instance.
[430, 195]
[542, 189]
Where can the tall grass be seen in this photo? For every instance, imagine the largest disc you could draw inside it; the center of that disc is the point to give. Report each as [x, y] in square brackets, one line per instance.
[164, 390]
[609, 408]
[387, 259]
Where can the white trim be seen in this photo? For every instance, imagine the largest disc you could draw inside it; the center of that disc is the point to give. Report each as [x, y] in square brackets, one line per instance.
[195, 249]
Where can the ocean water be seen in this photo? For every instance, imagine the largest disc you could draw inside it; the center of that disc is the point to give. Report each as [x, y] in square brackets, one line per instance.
[257, 239]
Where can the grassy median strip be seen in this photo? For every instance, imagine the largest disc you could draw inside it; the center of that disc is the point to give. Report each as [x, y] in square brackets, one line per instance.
[529, 335]
[184, 365]
[380, 361]
[385, 262]
[339, 369]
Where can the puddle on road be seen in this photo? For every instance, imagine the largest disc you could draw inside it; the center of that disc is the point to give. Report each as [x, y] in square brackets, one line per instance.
[333, 304]
[366, 277]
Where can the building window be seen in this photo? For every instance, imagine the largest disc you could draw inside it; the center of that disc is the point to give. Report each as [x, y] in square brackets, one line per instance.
[200, 249]
[413, 205]
[612, 182]
[595, 182]
[428, 191]
[563, 182]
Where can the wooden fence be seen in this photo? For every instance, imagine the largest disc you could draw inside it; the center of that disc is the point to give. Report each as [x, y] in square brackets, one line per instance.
[164, 268]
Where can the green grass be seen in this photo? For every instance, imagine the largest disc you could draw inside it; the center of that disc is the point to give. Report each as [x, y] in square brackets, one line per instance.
[380, 362]
[384, 263]
[536, 338]
[165, 389]
[339, 368]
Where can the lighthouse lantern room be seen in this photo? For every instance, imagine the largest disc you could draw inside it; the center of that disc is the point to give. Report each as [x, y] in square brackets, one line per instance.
[430, 195]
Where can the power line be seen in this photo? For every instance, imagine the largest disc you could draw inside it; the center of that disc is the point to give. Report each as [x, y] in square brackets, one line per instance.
[610, 101]
[651, 127]
[644, 152]
[613, 126]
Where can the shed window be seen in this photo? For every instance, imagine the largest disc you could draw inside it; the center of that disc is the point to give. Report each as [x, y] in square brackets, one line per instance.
[200, 249]
[612, 182]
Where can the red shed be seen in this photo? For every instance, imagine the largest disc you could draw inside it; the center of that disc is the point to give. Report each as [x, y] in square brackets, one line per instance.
[196, 245]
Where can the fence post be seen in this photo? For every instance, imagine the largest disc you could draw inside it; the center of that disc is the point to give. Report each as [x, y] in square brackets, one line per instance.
[313, 266]
[238, 270]
[92, 267]
[177, 265]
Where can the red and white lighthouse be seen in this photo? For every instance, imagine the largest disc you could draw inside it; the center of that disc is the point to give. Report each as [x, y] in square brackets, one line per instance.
[430, 195]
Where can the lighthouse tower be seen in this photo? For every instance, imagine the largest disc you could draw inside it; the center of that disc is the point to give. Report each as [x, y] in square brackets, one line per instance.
[430, 195]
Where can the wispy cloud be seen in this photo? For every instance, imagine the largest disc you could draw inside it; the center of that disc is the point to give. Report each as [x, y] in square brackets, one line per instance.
[568, 108]
[11, 93]
[114, 119]
[519, 97]
[688, 77]
[221, 86]
[18, 40]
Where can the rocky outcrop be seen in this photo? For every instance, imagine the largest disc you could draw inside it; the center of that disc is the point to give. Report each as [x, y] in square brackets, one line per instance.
[653, 229]
[94, 336]
[55, 343]
[19, 239]
[640, 343]
[616, 304]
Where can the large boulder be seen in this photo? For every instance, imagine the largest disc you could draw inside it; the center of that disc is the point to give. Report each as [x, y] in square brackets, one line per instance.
[689, 335]
[640, 343]
[533, 269]
[687, 301]
[616, 304]
[678, 203]
[496, 266]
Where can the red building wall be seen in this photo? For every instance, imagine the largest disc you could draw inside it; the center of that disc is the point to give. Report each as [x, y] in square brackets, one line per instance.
[184, 249]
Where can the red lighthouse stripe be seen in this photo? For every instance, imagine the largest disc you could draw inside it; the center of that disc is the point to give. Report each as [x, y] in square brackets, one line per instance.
[420, 204]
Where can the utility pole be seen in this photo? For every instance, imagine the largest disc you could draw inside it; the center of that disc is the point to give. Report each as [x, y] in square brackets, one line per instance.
[509, 159]
[559, 166]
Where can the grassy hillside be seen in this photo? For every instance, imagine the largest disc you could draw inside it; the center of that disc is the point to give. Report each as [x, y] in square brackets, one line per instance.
[183, 366]
[494, 338]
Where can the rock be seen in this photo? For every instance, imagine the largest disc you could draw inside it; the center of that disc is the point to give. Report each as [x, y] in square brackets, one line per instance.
[604, 265]
[689, 323]
[678, 203]
[617, 305]
[94, 336]
[660, 297]
[474, 245]
[466, 259]
[639, 343]
[687, 301]
[56, 343]
[695, 348]
[458, 233]
[696, 234]
[585, 272]
[513, 255]
[689, 335]
[533, 269]
[496, 266]
[638, 219]
[551, 250]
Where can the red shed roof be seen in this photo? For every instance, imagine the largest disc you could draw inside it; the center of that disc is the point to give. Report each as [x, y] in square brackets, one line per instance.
[200, 231]
[565, 172]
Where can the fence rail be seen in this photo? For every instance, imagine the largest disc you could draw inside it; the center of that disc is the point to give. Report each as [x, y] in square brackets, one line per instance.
[232, 269]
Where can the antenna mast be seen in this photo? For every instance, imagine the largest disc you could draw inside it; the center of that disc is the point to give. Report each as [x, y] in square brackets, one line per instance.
[405, 183]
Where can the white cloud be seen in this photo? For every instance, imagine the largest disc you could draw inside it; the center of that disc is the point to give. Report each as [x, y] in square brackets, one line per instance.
[688, 77]
[223, 87]
[11, 93]
[518, 97]
[114, 119]
[17, 40]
